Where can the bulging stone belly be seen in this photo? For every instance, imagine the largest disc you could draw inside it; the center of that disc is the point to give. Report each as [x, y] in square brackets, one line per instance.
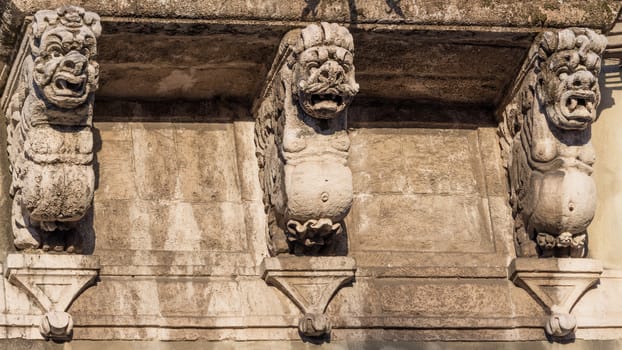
[565, 202]
[58, 192]
[318, 190]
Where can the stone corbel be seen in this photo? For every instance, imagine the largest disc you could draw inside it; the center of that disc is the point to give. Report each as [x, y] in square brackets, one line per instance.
[557, 284]
[302, 141]
[48, 104]
[310, 283]
[302, 149]
[546, 138]
[53, 282]
[545, 134]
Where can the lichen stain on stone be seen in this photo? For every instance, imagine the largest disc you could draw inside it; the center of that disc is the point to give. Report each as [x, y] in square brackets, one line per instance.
[600, 9]
[551, 5]
[538, 18]
[488, 3]
[177, 80]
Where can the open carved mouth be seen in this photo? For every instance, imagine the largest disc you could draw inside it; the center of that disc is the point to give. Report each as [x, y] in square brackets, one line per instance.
[69, 85]
[578, 105]
[328, 102]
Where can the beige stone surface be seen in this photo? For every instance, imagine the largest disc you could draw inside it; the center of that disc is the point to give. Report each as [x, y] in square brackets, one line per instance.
[179, 189]
[178, 213]
[606, 138]
[300, 345]
[439, 171]
[496, 12]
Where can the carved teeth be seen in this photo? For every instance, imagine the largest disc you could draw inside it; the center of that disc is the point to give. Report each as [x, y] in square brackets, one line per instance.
[320, 98]
[578, 104]
[574, 103]
[69, 85]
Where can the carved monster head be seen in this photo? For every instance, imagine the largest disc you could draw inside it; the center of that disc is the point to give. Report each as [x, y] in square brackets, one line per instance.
[569, 64]
[63, 49]
[323, 70]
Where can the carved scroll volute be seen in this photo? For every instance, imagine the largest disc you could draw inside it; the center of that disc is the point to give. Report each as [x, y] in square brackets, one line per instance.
[49, 131]
[302, 141]
[547, 131]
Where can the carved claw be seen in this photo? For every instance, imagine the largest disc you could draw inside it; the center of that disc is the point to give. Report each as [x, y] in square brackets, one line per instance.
[525, 246]
[57, 326]
[314, 325]
[24, 241]
[24, 237]
[560, 325]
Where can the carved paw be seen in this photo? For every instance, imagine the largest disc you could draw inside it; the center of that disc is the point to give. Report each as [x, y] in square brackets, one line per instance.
[53, 242]
[524, 245]
[24, 240]
[24, 237]
[314, 325]
[56, 325]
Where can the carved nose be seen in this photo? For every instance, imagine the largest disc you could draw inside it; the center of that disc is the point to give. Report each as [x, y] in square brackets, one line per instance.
[582, 80]
[74, 63]
[331, 72]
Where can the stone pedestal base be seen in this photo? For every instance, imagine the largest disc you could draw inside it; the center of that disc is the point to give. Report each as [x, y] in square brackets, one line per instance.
[558, 284]
[310, 282]
[54, 282]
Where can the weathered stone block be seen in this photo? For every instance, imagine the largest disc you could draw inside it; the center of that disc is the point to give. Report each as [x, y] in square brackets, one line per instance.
[444, 223]
[430, 161]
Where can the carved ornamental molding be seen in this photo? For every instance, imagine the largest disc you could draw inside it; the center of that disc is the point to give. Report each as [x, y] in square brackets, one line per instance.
[545, 133]
[557, 284]
[50, 141]
[53, 282]
[302, 140]
[310, 283]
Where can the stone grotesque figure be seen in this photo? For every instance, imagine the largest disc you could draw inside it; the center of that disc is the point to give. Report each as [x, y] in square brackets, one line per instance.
[302, 141]
[547, 131]
[49, 130]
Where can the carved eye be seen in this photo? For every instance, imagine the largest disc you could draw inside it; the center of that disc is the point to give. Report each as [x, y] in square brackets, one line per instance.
[592, 62]
[562, 70]
[55, 51]
[312, 64]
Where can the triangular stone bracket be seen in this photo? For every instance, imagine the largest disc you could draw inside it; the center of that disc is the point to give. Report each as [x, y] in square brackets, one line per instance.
[557, 283]
[309, 282]
[53, 282]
